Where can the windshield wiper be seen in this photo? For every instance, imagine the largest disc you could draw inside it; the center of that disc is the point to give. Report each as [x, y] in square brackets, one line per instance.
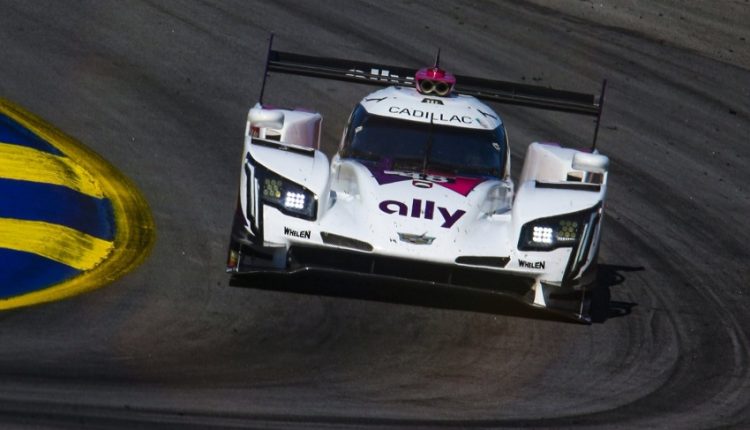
[426, 159]
[445, 167]
[406, 163]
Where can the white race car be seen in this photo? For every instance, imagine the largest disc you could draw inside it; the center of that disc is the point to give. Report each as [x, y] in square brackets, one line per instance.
[420, 189]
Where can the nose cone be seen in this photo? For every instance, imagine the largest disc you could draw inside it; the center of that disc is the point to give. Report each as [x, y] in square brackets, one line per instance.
[421, 216]
[414, 207]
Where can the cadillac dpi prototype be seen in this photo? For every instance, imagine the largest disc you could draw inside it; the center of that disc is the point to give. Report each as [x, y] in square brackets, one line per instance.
[420, 188]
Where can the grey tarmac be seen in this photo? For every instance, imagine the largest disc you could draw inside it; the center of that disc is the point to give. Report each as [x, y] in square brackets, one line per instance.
[161, 89]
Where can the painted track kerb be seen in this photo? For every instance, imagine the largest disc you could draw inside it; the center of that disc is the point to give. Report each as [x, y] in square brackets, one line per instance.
[134, 225]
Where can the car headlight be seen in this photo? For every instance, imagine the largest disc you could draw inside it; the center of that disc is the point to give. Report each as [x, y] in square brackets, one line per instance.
[286, 196]
[499, 200]
[546, 234]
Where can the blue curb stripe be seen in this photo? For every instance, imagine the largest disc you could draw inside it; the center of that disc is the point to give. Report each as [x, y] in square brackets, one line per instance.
[12, 132]
[70, 222]
[55, 204]
[22, 272]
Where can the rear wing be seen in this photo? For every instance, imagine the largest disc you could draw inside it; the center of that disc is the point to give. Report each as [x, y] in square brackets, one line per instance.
[485, 89]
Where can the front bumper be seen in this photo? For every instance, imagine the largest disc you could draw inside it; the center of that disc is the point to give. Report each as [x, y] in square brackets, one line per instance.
[247, 258]
[305, 258]
[298, 259]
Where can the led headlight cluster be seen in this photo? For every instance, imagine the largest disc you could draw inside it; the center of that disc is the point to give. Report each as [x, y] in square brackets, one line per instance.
[542, 234]
[550, 233]
[294, 200]
[288, 197]
[568, 230]
[272, 188]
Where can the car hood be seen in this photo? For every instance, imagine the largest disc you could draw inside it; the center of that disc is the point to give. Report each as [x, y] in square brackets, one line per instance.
[424, 200]
[404, 211]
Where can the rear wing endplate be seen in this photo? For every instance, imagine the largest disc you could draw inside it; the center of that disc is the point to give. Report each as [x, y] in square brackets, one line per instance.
[485, 89]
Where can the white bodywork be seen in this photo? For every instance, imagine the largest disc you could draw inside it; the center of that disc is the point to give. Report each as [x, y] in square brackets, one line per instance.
[416, 216]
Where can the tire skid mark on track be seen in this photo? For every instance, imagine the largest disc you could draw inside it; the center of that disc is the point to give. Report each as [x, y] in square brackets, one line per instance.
[729, 384]
[683, 367]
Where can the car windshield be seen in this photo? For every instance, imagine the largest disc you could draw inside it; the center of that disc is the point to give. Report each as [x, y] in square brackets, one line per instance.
[415, 146]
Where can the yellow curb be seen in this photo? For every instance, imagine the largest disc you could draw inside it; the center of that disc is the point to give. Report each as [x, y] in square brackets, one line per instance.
[135, 233]
[47, 169]
[57, 242]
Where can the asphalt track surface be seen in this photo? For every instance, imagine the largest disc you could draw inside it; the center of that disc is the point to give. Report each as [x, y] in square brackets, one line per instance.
[161, 90]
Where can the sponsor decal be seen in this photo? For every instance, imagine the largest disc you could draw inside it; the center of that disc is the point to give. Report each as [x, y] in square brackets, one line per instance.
[415, 176]
[420, 210]
[539, 265]
[460, 185]
[432, 116]
[302, 234]
[421, 184]
[384, 75]
[416, 239]
[489, 115]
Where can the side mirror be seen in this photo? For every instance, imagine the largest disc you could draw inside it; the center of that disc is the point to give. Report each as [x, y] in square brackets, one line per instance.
[592, 163]
[265, 118]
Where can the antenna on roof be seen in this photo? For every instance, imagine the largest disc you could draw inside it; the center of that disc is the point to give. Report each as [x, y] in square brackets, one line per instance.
[437, 59]
[265, 70]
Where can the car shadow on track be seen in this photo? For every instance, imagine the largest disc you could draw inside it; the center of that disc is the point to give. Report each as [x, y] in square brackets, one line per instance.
[602, 308]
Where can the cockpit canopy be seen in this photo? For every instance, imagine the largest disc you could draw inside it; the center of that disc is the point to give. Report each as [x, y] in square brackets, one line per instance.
[427, 147]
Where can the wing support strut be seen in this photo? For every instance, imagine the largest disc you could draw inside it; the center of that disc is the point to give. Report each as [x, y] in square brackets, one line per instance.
[599, 114]
[265, 70]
